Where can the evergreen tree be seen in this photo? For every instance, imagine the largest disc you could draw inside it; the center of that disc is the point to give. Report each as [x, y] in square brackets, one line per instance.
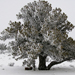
[44, 32]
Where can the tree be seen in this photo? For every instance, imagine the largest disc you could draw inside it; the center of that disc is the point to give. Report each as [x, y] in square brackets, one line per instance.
[44, 32]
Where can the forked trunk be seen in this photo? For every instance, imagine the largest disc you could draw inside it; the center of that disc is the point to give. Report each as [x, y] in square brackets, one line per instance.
[42, 62]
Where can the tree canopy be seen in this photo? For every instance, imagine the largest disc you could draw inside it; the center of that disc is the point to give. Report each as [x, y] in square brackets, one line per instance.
[44, 32]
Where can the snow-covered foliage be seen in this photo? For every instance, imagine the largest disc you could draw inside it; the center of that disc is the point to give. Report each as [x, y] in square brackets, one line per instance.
[68, 47]
[43, 30]
[3, 47]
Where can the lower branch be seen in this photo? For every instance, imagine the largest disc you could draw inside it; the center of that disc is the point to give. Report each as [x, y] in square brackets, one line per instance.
[56, 62]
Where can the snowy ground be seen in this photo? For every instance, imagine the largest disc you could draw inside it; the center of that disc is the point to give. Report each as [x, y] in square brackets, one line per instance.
[6, 68]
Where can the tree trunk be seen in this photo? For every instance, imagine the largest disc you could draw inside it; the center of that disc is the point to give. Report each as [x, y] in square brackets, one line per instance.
[56, 62]
[42, 62]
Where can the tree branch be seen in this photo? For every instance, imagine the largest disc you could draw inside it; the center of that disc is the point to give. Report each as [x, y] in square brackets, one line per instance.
[57, 62]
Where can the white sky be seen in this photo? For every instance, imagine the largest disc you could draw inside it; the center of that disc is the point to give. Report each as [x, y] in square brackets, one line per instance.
[9, 9]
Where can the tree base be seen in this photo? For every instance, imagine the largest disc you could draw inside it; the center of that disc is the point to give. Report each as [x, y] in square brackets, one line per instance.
[42, 68]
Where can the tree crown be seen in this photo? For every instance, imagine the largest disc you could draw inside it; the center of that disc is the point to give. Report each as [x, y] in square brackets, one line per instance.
[43, 30]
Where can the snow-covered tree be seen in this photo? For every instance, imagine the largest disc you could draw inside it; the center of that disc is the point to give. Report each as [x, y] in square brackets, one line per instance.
[44, 32]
